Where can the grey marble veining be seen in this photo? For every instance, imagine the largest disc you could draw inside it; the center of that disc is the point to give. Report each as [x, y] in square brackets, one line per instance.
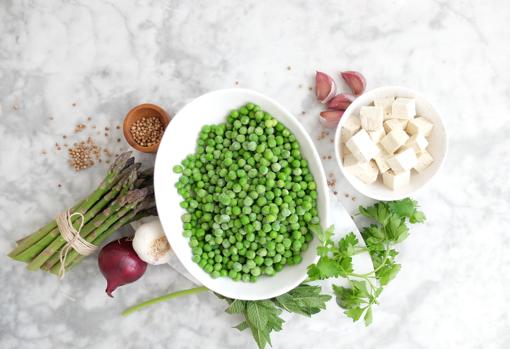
[63, 61]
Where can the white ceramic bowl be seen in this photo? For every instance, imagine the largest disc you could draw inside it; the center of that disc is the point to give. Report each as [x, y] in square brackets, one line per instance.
[438, 144]
[180, 140]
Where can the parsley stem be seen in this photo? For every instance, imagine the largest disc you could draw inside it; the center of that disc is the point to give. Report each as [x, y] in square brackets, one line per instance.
[163, 299]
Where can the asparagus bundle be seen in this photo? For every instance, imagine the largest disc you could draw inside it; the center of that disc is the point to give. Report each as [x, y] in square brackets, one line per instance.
[126, 194]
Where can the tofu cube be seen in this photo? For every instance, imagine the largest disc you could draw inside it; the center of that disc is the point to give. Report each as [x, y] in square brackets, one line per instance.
[403, 108]
[345, 151]
[371, 118]
[403, 161]
[394, 140]
[350, 160]
[362, 147]
[396, 180]
[381, 160]
[385, 103]
[351, 126]
[394, 124]
[376, 136]
[417, 142]
[367, 172]
[424, 160]
[419, 125]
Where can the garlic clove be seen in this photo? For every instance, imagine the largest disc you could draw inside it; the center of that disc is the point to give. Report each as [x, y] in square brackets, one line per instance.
[330, 118]
[325, 87]
[150, 243]
[341, 101]
[355, 80]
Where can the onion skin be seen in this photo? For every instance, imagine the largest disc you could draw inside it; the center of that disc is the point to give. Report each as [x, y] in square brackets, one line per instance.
[119, 264]
[325, 87]
[330, 118]
[355, 80]
[341, 101]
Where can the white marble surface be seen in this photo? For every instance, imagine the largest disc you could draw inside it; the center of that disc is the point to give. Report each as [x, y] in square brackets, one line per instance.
[68, 60]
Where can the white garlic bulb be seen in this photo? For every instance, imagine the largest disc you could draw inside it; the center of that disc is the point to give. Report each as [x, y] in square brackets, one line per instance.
[150, 243]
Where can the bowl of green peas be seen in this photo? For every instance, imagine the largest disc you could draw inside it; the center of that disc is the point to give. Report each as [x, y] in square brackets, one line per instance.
[239, 190]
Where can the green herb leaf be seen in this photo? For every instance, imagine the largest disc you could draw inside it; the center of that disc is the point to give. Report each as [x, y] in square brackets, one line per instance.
[304, 299]
[236, 307]
[256, 313]
[368, 316]
[242, 326]
[354, 313]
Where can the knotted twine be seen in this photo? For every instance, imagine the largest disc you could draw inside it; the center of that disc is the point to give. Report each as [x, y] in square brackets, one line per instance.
[72, 237]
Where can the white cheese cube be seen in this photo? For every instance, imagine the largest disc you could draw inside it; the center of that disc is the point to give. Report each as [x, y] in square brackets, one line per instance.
[345, 151]
[403, 108]
[424, 160]
[376, 136]
[362, 147]
[394, 140]
[417, 142]
[396, 180]
[371, 118]
[385, 103]
[367, 172]
[419, 125]
[403, 161]
[351, 126]
[381, 160]
[350, 160]
[394, 124]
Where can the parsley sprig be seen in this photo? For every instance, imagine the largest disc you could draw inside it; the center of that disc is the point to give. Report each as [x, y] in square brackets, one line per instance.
[388, 229]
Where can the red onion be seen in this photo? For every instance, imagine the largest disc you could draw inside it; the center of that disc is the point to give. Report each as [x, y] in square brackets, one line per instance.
[355, 80]
[325, 87]
[120, 264]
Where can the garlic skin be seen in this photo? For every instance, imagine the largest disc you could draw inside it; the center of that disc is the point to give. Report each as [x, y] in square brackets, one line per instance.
[150, 243]
[330, 118]
[355, 80]
[325, 87]
[341, 101]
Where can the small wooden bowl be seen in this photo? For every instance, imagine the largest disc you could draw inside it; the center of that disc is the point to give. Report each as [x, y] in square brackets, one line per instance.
[139, 112]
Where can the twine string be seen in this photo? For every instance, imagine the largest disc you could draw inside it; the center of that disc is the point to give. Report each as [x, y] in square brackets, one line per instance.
[72, 238]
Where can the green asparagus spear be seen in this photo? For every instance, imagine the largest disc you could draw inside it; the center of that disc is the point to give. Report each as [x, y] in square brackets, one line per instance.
[96, 222]
[118, 165]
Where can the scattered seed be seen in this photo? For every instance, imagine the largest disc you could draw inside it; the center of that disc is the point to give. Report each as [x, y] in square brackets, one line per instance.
[83, 154]
[106, 134]
[64, 136]
[43, 152]
[60, 185]
[300, 85]
[303, 112]
[89, 118]
[118, 127]
[51, 118]
[118, 140]
[346, 195]
[74, 104]
[79, 127]
[15, 107]
[107, 129]
[310, 88]
[289, 67]
[237, 82]
[353, 198]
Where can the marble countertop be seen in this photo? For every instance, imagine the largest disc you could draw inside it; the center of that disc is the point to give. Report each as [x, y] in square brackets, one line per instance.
[62, 62]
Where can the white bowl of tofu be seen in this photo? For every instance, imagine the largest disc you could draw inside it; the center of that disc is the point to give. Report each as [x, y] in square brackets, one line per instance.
[390, 142]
